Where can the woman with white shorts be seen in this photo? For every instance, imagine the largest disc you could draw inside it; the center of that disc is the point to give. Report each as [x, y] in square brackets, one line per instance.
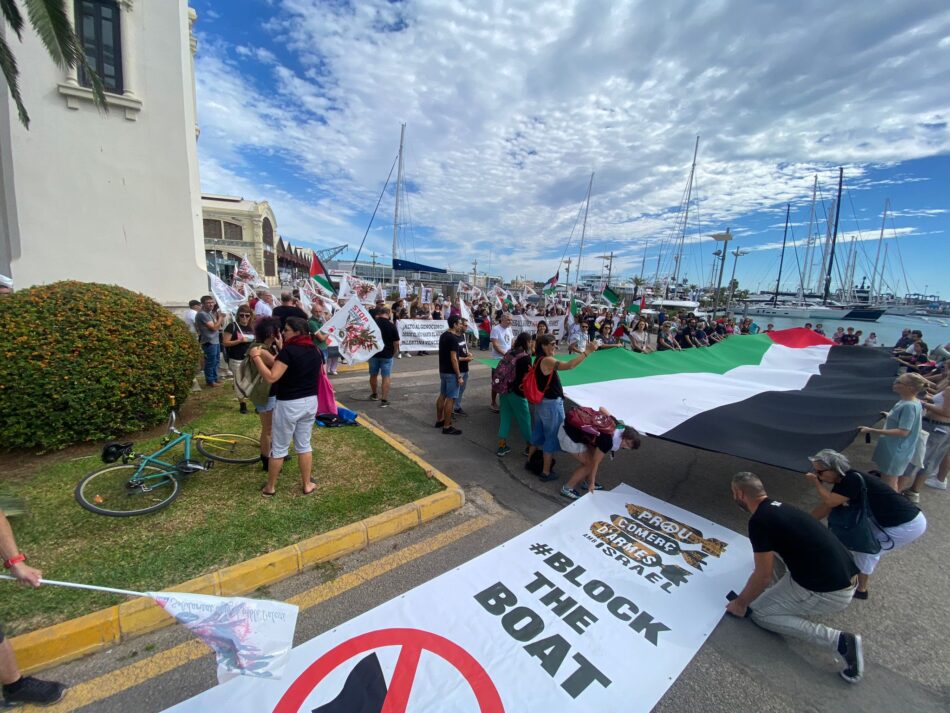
[895, 521]
[294, 371]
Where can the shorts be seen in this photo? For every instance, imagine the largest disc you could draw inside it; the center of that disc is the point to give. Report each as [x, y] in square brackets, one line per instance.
[268, 406]
[548, 417]
[891, 538]
[449, 388]
[381, 365]
[568, 445]
[293, 419]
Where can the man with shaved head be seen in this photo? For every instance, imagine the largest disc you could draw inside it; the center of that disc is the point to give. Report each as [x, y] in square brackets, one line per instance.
[820, 575]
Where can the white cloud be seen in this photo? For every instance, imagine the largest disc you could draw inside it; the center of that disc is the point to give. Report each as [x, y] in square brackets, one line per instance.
[510, 108]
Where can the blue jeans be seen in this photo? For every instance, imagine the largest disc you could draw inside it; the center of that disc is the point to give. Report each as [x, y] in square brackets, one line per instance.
[380, 365]
[449, 387]
[549, 414]
[458, 399]
[212, 354]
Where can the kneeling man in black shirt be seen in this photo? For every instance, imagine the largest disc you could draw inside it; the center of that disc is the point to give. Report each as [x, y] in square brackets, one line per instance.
[820, 579]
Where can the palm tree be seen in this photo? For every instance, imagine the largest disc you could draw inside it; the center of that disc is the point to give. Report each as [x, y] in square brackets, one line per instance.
[638, 282]
[51, 23]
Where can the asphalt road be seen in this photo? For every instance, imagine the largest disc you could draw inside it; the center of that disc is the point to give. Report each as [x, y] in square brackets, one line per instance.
[741, 668]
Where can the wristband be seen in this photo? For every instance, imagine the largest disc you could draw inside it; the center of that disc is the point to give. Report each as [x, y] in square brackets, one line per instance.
[15, 560]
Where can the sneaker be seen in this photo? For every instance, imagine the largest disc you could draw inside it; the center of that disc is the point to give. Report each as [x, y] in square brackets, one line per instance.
[853, 655]
[911, 495]
[384, 404]
[569, 493]
[451, 431]
[526, 451]
[32, 690]
[460, 412]
[373, 397]
[597, 486]
[547, 478]
[438, 424]
[399, 355]
[408, 355]
[933, 482]
[502, 451]
[243, 407]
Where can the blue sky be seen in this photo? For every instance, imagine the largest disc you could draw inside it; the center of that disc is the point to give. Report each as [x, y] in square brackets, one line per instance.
[511, 106]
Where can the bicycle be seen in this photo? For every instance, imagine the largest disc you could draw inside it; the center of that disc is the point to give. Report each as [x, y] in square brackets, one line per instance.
[143, 484]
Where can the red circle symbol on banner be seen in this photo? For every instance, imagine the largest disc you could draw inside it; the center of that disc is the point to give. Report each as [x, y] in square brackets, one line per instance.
[413, 643]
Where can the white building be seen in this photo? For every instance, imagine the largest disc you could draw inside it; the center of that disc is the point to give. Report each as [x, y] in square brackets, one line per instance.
[106, 197]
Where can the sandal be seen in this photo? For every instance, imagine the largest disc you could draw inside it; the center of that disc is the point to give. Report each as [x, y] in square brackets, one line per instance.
[265, 494]
[308, 492]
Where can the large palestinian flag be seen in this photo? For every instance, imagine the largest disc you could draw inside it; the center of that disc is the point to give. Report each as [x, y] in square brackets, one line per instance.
[775, 398]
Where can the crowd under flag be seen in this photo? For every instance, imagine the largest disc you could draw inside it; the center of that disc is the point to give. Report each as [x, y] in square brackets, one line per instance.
[638, 307]
[551, 285]
[773, 398]
[320, 276]
[610, 296]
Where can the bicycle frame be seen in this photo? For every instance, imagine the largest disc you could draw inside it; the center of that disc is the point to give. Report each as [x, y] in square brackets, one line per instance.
[153, 458]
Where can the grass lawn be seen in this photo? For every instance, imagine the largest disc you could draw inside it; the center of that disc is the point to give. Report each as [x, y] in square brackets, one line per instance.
[218, 519]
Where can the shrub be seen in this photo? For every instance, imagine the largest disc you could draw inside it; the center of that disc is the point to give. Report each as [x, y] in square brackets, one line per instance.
[84, 361]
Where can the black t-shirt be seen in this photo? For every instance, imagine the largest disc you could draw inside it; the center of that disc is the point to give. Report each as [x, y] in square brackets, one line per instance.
[849, 340]
[390, 336]
[888, 507]
[553, 390]
[463, 352]
[685, 337]
[815, 558]
[238, 351]
[282, 312]
[591, 322]
[448, 345]
[522, 366]
[300, 380]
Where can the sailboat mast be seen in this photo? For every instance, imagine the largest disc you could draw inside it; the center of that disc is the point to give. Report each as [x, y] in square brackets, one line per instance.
[781, 262]
[810, 242]
[580, 253]
[402, 138]
[689, 193]
[834, 237]
[877, 258]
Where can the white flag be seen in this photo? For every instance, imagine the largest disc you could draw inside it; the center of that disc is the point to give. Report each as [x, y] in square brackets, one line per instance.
[249, 637]
[467, 315]
[365, 290]
[354, 332]
[247, 274]
[227, 297]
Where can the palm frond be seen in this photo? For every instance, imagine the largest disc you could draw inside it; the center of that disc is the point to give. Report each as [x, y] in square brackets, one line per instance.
[11, 13]
[98, 89]
[51, 23]
[11, 75]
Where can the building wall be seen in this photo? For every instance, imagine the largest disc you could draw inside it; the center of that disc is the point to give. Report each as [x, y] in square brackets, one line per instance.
[250, 215]
[107, 197]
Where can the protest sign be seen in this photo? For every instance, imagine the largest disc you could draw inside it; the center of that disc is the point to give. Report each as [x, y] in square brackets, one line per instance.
[227, 297]
[365, 290]
[250, 637]
[523, 323]
[598, 608]
[354, 332]
[420, 335]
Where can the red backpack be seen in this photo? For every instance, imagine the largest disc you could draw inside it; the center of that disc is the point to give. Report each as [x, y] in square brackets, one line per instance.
[590, 422]
[529, 385]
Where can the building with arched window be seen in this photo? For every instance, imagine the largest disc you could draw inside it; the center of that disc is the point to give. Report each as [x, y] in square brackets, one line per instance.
[234, 228]
[107, 195]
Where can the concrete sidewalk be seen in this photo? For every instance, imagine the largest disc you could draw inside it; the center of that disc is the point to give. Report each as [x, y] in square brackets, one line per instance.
[742, 668]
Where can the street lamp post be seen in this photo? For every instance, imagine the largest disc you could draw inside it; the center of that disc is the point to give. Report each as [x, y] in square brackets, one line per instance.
[721, 254]
[732, 280]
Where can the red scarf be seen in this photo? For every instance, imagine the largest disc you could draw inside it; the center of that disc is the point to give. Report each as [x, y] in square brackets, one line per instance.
[301, 339]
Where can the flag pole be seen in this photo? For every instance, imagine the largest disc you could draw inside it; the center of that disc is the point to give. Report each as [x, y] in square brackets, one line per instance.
[73, 585]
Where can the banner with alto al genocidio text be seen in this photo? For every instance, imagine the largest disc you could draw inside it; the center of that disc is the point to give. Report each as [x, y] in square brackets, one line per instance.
[420, 335]
[598, 608]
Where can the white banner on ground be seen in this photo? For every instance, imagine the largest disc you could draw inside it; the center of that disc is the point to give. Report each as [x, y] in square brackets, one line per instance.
[420, 335]
[598, 608]
[523, 323]
[354, 332]
[250, 637]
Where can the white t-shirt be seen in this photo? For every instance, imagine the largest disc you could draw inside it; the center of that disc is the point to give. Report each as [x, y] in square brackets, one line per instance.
[262, 309]
[504, 337]
[189, 319]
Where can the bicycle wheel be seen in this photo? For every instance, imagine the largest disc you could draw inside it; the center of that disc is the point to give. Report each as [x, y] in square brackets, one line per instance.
[229, 447]
[112, 491]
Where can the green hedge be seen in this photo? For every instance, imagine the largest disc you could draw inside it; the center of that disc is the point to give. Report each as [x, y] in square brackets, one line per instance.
[84, 361]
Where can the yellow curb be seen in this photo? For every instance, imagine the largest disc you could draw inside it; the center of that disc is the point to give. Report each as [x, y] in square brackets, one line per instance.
[345, 368]
[73, 638]
[99, 630]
